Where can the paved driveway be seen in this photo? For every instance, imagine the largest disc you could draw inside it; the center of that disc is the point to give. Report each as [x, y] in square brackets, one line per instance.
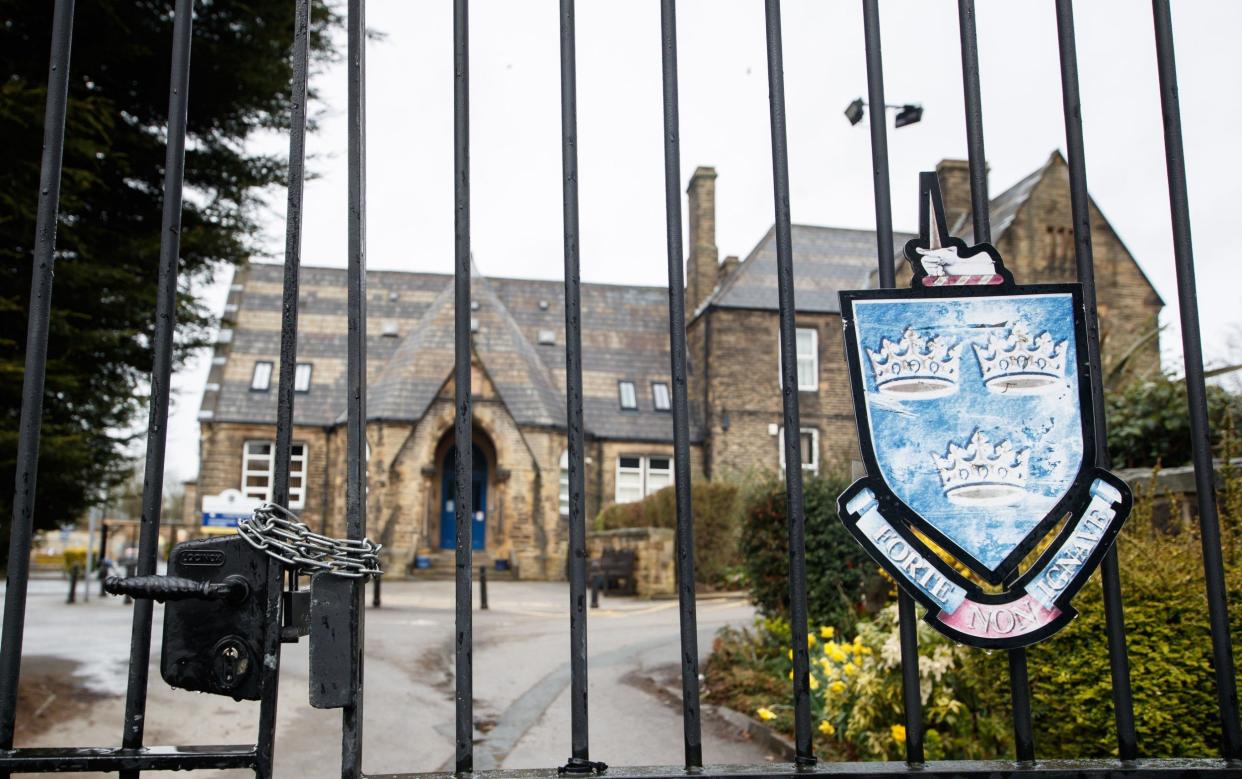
[521, 683]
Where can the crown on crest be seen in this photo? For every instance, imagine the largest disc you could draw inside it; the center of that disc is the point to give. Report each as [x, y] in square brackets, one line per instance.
[1021, 365]
[915, 367]
[980, 474]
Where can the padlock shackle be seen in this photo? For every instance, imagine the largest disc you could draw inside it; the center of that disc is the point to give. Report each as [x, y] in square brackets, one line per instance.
[234, 589]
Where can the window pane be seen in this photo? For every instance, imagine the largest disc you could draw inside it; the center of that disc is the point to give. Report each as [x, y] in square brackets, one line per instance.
[302, 377]
[631, 462]
[659, 473]
[629, 479]
[629, 399]
[564, 485]
[807, 359]
[262, 378]
[659, 394]
[808, 448]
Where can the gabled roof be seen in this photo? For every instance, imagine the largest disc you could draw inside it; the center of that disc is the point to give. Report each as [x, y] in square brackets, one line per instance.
[519, 341]
[826, 260]
[1004, 207]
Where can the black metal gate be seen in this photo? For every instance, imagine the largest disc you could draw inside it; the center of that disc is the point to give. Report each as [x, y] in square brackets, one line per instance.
[133, 755]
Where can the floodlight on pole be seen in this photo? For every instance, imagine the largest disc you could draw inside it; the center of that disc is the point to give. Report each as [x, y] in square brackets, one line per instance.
[908, 113]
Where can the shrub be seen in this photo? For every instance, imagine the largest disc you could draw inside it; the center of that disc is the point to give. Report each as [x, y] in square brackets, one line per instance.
[842, 581]
[717, 510]
[1168, 638]
[1148, 424]
[856, 695]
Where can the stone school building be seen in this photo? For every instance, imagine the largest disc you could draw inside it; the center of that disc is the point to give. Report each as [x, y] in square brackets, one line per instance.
[519, 482]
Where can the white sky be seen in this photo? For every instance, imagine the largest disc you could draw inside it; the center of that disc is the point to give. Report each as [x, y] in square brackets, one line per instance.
[515, 136]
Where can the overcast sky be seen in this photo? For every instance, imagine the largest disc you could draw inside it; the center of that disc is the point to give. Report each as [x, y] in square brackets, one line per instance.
[515, 136]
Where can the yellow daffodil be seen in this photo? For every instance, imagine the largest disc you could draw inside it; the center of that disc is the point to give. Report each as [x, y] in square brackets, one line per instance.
[899, 733]
[791, 674]
[790, 654]
[834, 651]
[814, 682]
[767, 714]
[810, 640]
[826, 728]
[827, 632]
[850, 669]
[837, 687]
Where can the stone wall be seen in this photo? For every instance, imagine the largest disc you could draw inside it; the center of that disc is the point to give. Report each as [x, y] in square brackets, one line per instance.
[654, 555]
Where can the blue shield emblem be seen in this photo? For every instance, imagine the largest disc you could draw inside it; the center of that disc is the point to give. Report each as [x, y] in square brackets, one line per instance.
[974, 408]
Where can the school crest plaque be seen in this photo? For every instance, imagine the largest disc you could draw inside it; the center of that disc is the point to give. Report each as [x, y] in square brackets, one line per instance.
[973, 400]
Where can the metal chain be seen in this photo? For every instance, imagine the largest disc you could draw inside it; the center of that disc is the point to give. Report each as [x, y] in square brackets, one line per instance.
[277, 532]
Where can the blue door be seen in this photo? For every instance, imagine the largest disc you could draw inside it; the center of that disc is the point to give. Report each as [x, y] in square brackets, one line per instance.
[478, 500]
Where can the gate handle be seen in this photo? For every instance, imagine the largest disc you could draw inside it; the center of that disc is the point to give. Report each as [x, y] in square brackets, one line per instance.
[233, 589]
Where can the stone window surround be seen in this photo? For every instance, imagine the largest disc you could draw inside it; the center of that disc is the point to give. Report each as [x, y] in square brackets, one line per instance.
[813, 465]
[646, 485]
[264, 465]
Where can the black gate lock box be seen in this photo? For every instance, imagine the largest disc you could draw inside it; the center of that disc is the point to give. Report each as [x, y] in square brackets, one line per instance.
[216, 646]
[215, 615]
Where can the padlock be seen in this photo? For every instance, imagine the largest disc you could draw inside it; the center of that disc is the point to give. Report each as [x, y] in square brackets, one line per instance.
[215, 617]
[333, 640]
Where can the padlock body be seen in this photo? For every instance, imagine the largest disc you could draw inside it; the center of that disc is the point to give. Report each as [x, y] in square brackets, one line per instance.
[212, 645]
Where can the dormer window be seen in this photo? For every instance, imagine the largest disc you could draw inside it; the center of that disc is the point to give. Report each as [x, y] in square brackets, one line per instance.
[659, 396]
[302, 377]
[629, 397]
[261, 379]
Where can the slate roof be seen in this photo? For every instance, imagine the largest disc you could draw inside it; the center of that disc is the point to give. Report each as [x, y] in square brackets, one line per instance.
[1004, 207]
[826, 260]
[624, 336]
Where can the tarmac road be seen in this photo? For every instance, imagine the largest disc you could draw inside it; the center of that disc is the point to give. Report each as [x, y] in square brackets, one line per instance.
[521, 684]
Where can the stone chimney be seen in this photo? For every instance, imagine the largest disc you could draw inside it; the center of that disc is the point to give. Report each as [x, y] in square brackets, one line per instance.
[727, 268]
[702, 263]
[954, 176]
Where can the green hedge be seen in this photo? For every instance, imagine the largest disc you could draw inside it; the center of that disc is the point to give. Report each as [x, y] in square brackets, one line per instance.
[717, 508]
[1168, 638]
[842, 582]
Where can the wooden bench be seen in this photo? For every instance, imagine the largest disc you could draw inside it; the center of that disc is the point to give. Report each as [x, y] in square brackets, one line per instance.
[615, 567]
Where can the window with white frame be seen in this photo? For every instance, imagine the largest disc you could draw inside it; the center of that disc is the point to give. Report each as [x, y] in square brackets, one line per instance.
[638, 476]
[261, 379]
[302, 377]
[629, 397]
[659, 396]
[259, 466]
[807, 339]
[564, 490]
[809, 449]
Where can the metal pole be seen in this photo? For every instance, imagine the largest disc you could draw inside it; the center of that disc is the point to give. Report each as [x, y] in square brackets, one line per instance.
[22, 529]
[270, 681]
[482, 588]
[1196, 392]
[579, 759]
[692, 731]
[1080, 203]
[157, 424]
[356, 371]
[805, 755]
[1019, 684]
[463, 421]
[907, 619]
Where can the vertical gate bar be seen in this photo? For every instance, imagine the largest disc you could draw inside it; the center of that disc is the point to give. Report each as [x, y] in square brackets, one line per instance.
[43, 264]
[1192, 351]
[1080, 204]
[464, 461]
[579, 730]
[356, 370]
[691, 727]
[270, 682]
[907, 619]
[157, 423]
[804, 750]
[1019, 684]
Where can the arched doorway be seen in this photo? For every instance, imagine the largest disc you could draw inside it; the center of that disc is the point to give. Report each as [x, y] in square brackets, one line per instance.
[478, 500]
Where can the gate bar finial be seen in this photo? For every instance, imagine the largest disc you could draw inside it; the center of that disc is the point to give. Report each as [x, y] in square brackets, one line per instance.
[38, 318]
[1080, 205]
[1196, 391]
